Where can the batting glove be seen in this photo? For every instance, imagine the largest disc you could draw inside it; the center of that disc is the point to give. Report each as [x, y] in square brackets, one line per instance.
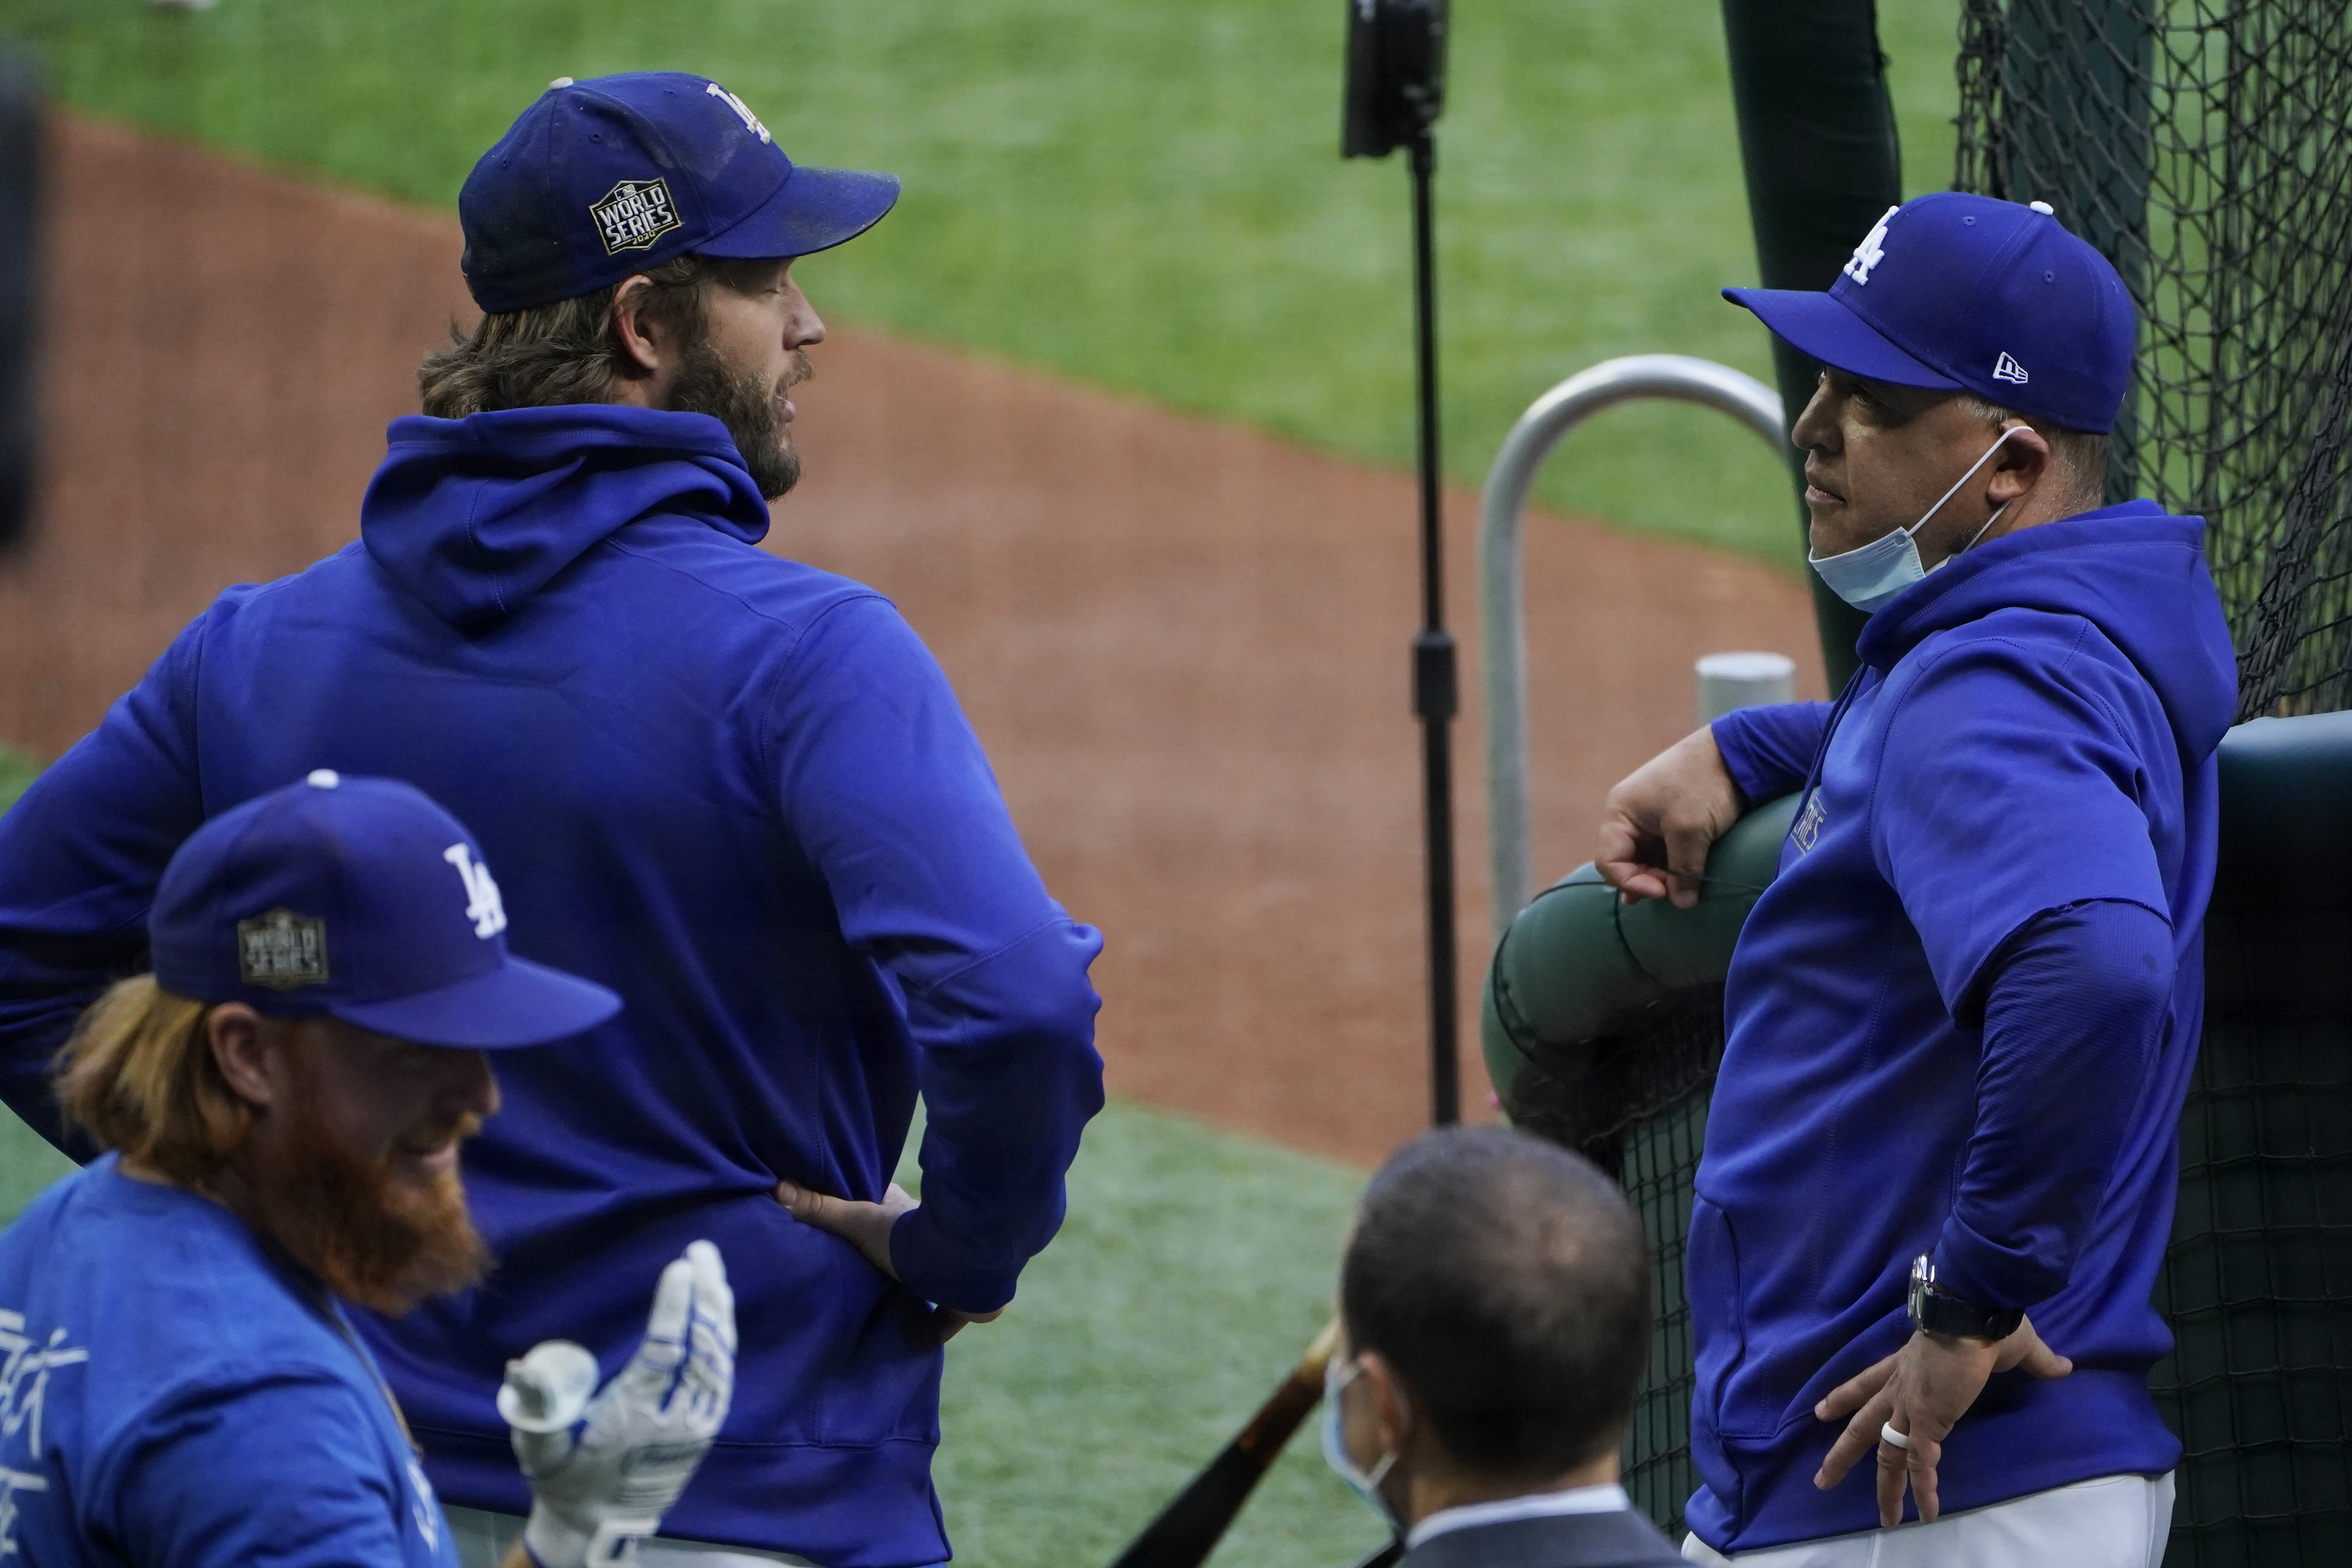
[597, 1493]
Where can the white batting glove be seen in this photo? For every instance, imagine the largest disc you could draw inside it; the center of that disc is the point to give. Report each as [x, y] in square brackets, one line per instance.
[597, 1494]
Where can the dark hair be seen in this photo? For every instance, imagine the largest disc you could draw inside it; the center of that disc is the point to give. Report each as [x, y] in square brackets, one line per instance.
[2080, 456]
[569, 351]
[1507, 1284]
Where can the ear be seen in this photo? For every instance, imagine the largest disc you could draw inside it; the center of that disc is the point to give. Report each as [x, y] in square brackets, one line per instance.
[245, 1047]
[1394, 1409]
[643, 347]
[2023, 462]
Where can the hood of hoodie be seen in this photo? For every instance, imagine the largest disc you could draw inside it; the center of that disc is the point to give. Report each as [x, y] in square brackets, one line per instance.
[473, 515]
[2135, 571]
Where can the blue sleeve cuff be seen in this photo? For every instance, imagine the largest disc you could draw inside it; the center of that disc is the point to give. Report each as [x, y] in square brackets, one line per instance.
[1770, 750]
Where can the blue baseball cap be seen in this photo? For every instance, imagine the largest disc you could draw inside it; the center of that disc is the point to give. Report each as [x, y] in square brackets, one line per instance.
[605, 177]
[361, 899]
[1965, 293]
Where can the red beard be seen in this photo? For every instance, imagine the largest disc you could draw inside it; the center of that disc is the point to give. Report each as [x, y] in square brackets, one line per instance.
[373, 1237]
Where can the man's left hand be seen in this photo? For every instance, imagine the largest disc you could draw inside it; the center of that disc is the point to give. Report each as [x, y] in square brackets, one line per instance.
[1922, 1390]
[867, 1227]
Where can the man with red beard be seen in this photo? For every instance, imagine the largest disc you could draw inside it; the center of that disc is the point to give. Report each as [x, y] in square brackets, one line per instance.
[284, 1099]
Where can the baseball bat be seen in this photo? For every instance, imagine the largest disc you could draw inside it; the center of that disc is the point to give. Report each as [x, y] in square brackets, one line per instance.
[1189, 1528]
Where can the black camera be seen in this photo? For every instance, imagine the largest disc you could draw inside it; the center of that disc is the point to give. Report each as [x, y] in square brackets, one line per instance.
[1396, 74]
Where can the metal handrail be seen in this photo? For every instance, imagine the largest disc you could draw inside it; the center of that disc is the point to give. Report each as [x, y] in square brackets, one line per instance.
[1501, 591]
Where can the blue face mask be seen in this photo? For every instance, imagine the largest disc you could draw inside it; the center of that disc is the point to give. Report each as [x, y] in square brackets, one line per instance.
[1365, 1484]
[1868, 577]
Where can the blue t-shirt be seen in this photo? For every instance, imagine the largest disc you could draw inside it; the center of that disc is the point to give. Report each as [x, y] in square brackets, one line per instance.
[173, 1396]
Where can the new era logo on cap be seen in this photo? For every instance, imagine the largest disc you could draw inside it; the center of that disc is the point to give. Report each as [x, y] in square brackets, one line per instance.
[2006, 369]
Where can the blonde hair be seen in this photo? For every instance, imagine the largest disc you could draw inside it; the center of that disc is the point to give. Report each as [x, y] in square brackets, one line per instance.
[139, 1076]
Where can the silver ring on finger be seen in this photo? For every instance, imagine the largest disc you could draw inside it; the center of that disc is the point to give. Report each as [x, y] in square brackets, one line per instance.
[1893, 1438]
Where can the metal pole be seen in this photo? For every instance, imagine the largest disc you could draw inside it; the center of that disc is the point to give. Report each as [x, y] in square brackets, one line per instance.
[1502, 611]
[1435, 695]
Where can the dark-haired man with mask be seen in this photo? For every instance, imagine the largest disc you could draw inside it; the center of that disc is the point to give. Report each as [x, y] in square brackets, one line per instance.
[1495, 1309]
[736, 789]
[1960, 1023]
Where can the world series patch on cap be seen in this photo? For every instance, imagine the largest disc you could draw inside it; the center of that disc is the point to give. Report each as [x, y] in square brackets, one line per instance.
[363, 900]
[609, 176]
[1958, 292]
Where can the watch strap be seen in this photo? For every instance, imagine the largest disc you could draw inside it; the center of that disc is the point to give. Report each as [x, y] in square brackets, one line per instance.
[1934, 1310]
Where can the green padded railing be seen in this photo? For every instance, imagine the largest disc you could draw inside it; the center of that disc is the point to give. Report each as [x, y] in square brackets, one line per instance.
[1604, 1025]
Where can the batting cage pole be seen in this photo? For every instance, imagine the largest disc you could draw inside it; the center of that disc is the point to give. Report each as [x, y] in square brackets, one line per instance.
[1817, 148]
[1396, 87]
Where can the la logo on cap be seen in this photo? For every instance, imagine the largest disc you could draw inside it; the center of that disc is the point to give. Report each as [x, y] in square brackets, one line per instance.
[742, 111]
[1871, 251]
[484, 907]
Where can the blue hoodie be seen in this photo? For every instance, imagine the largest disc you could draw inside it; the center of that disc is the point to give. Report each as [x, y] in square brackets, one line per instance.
[735, 788]
[2029, 745]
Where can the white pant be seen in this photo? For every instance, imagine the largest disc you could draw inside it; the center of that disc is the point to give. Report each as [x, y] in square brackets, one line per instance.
[2116, 1521]
[483, 1539]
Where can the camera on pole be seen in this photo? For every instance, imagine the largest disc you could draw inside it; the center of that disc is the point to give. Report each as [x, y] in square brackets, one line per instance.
[1396, 89]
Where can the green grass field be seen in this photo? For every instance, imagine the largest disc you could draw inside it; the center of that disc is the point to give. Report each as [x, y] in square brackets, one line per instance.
[1193, 1268]
[1142, 196]
[17, 771]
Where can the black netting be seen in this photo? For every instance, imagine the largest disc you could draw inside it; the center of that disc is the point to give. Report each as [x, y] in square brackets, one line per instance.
[2201, 145]
[2257, 1286]
[1640, 1112]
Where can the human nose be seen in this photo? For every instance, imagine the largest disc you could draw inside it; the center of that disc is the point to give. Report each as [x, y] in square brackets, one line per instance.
[803, 326]
[471, 1086]
[1816, 428]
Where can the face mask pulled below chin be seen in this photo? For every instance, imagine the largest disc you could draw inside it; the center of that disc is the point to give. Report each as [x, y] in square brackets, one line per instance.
[1868, 577]
[1364, 1484]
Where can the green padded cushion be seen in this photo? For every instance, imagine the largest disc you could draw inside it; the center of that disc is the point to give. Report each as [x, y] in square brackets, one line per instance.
[1577, 965]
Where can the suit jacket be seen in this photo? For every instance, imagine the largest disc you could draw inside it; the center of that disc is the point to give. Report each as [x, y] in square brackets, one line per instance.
[1619, 1539]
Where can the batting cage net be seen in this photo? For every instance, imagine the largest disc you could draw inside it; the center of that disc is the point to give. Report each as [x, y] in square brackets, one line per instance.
[1640, 1113]
[2201, 145]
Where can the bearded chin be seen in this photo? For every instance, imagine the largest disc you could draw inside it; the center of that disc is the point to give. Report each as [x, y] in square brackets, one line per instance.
[373, 1238]
[746, 405]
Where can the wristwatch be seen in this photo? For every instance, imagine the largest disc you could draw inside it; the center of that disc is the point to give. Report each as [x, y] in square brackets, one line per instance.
[1936, 1311]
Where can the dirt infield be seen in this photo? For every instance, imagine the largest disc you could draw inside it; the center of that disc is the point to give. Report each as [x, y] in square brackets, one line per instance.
[1183, 643]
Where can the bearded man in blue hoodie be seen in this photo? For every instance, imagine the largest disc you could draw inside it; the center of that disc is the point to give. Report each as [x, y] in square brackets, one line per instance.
[1941, 1162]
[734, 789]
